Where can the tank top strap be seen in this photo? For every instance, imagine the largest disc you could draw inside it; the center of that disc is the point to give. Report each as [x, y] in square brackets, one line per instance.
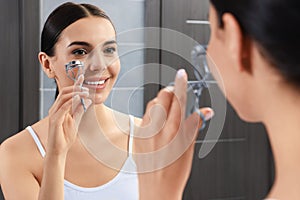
[131, 134]
[36, 140]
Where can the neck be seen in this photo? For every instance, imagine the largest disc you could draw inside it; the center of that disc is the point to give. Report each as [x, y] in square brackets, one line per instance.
[102, 137]
[106, 119]
[282, 120]
[97, 113]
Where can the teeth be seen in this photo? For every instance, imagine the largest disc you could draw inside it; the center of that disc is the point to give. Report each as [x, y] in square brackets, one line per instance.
[95, 83]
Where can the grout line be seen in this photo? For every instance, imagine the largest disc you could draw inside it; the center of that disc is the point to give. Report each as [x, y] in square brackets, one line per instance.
[221, 140]
[137, 0]
[140, 44]
[48, 89]
[231, 198]
[128, 88]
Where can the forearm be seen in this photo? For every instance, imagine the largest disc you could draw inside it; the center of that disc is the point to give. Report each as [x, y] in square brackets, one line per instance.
[52, 186]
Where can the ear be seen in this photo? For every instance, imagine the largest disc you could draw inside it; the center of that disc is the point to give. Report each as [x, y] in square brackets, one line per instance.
[238, 45]
[46, 64]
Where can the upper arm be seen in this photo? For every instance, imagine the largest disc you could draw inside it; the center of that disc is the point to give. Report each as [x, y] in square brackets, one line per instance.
[17, 182]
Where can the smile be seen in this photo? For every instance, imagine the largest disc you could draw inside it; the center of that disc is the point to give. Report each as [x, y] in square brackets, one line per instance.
[95, 82]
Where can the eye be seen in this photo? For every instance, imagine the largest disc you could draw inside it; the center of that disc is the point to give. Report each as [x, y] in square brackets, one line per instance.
[110, 50]
[79, 52]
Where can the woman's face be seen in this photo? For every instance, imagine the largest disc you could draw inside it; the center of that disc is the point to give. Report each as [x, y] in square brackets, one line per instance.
[92, 41]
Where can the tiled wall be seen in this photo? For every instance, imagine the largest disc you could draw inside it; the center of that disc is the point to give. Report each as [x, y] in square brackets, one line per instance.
[127, 15]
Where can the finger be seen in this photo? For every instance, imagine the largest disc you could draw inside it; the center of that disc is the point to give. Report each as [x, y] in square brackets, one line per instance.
[176, 114]
[65, 97]
[69, 92]
[159, 110]
[80, 110]
[78, 84]
[69, 127]
[180, 94]
[193, 124]
[164, 98]
[70, 89]
[205, 114]
[58, 116]
[79, 81]
[156, 113]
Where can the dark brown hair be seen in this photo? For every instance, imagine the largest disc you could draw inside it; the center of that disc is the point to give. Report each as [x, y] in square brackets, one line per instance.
[275, 26]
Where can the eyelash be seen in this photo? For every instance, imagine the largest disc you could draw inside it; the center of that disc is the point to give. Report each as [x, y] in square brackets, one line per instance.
[109, 49]
[79, 52]
[83, 52]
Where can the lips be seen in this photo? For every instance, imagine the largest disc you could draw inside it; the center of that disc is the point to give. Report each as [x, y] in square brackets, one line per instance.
[96, 83]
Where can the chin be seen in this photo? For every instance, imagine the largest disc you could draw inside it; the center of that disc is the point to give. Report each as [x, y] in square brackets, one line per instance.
[246, 111]
[248, 116]
[98, 98]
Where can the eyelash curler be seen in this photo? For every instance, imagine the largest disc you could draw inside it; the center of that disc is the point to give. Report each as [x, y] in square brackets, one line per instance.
[194, 89]
[73, 69]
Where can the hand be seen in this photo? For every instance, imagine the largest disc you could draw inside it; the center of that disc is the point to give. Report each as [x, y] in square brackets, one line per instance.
[65, 116]
[164, 143]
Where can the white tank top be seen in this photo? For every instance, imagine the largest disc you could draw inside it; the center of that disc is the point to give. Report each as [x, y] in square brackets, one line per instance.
[123, 186]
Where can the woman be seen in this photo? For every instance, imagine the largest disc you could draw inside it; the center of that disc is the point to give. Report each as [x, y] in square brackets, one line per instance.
[259, 43]
[48, 161]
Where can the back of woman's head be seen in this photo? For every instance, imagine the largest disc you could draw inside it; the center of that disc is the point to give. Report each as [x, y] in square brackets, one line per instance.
[275, 26]
[61, 18]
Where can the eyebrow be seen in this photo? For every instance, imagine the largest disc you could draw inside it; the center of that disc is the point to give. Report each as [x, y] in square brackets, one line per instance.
[79, 43]
[89, 45]
[109, 42]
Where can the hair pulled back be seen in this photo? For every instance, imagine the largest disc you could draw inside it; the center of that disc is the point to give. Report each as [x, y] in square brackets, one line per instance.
[274, 25]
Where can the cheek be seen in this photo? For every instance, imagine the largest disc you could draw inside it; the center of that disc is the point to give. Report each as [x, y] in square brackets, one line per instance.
[115, 68]
[61, 76]
[215, 61]
[219, 61]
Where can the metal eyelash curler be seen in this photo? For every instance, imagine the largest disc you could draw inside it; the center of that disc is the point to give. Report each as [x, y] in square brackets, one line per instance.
[199, 63]
[204, 78]
[73, 70]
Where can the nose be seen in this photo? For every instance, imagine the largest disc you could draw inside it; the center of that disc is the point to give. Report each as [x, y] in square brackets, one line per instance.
[96, 61]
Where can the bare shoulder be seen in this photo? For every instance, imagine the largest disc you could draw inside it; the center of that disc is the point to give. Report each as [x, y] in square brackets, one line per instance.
[20, 166]
[22, 143]
[19, 153]
[18, 148]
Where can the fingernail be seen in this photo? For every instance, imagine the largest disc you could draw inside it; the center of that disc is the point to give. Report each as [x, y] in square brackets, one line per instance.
[88, 102]
[170, 88]
[180, 73]
[84, 89]
[76, 96]
[208, 115]
[81, 76]
[85, 93]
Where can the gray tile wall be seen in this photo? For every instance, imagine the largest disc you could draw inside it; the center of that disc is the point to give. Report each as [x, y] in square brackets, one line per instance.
[127, 15]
